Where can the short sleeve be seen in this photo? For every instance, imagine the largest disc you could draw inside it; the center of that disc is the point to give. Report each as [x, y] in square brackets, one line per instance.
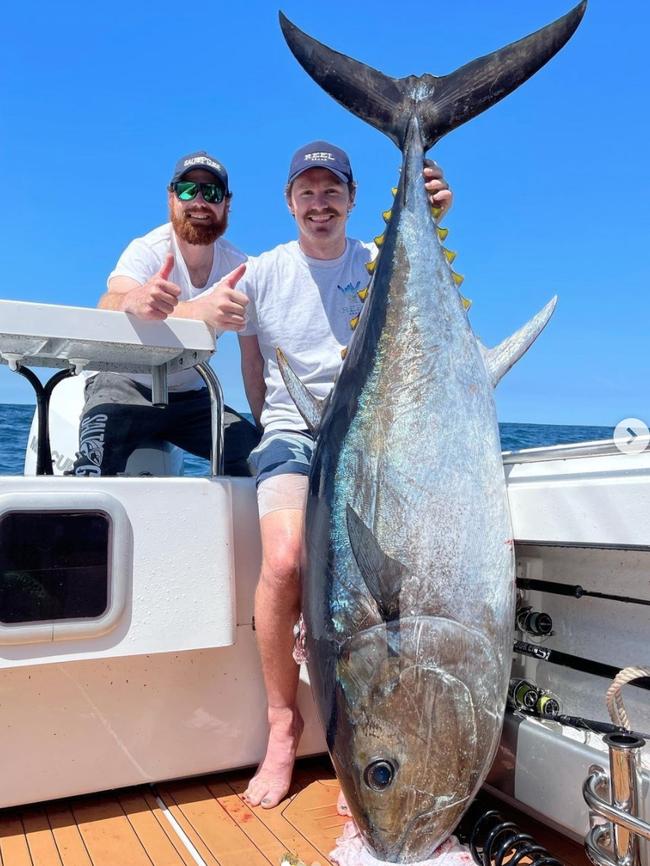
[138, 261]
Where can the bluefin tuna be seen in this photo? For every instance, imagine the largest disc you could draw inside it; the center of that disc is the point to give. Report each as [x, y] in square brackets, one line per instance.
[408, 580]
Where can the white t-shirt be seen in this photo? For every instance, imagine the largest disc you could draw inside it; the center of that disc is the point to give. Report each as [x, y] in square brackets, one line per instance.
[145, 256]
[303, 306]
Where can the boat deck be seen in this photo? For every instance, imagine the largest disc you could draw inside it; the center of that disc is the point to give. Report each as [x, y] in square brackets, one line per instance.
[194, 822]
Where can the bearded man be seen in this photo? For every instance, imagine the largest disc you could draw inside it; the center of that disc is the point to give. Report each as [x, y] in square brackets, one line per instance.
[184, 268]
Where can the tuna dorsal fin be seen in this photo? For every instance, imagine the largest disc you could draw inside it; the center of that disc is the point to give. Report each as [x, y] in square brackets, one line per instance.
[502, 357]
[382, 575]
[440, 103]
[310, 407]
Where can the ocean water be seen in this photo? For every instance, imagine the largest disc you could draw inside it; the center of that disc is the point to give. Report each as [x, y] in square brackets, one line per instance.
[15, 422]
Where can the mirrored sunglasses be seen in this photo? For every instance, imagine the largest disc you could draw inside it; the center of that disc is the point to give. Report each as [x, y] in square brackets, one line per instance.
[187, 190]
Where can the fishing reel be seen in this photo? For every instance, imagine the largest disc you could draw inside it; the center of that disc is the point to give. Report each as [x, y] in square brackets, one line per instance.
[533, 622]
[526, 696]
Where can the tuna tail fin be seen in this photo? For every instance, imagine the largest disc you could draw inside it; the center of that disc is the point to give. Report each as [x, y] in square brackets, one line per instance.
[440, 103]
[311, 408]
[381, 574]
[504, 356]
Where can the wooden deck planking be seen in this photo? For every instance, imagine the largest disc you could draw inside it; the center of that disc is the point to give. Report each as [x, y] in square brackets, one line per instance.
[128, 827]
[42, 844]
[282, 827]
[216, 836]
[14, 850]
[150, 826]
[107, 833]
[66, 834]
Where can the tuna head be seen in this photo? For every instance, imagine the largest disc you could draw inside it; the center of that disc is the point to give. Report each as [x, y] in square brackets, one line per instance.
[415, 703]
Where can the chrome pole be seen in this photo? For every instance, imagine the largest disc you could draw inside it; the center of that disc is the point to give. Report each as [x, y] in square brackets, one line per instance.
[216, 416]
[623, 763]
[616, 843]
[159, 389]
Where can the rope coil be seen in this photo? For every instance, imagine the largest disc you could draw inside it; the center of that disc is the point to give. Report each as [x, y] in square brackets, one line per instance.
[614, 698]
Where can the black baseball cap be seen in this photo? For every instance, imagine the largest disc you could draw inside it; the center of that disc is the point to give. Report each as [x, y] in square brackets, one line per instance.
[203, 160]
[321, 154]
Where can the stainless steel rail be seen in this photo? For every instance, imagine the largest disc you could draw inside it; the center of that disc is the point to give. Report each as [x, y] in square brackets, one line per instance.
[616, 843]
[567, 452]
[216, 415]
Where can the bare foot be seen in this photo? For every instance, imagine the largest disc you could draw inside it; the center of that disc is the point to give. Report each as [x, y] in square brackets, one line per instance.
[342, 807]
[270, 784]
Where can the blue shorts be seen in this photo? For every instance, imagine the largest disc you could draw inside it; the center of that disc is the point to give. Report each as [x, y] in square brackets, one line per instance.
[282, 452]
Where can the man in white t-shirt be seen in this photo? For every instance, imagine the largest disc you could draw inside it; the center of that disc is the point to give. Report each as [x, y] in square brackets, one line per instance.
[183, 268]
[304, 298]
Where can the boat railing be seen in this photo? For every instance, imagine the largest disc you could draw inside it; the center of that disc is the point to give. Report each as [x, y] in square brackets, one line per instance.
[615, 799]
[573, 451]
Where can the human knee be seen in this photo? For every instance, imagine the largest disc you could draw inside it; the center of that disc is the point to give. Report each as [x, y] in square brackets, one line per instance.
[281, 565]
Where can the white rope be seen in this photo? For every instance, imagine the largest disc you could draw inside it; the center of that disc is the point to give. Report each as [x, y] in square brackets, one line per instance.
[614, 698]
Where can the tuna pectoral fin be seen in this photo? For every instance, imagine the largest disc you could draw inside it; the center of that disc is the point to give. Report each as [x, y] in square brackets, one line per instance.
[310, 407]
[441, 104]
[500, 359]
[382, 575]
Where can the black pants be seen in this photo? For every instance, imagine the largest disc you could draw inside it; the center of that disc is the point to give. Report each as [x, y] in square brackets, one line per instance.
[118, 417]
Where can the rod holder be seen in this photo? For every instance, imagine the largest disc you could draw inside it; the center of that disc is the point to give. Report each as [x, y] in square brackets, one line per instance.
[616, 843]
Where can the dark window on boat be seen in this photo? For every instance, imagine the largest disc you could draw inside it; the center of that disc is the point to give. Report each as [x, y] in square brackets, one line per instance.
[53, 565]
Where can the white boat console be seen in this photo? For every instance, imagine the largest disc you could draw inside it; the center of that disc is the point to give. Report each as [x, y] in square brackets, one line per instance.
[77, 339]
[49, 335]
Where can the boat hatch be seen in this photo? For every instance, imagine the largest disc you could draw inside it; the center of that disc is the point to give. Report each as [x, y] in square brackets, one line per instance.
[65, 565]
[108, 567]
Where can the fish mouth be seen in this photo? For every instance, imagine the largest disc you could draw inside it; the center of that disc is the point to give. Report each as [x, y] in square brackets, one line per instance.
[432, 841]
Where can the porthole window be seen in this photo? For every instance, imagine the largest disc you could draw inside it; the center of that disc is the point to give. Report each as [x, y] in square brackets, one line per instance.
[53, 565]
[66, 563]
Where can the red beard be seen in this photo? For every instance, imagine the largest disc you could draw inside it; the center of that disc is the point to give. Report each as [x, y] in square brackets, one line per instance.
[201, 235]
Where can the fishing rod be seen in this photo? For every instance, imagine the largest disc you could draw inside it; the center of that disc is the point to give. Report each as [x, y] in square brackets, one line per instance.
[576, 663]
[575, 591]
[528, 699]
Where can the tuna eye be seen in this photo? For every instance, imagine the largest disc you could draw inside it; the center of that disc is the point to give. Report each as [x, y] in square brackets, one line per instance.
[379, 775]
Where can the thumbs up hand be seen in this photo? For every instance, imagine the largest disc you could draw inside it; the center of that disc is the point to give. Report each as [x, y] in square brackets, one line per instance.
[223, 307]
[155, 299]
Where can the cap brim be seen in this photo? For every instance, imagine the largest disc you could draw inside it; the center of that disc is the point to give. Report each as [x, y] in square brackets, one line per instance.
[181, 175]
[342, 177]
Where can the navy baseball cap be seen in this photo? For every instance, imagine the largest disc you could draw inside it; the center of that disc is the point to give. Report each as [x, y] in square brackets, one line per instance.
[200, 159]
[321, 154]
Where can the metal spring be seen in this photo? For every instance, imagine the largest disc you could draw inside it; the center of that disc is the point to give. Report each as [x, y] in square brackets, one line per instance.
[493, 839]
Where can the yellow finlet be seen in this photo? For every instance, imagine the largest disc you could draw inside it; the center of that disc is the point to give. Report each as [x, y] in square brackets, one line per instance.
[354, 322]
[450, 255]
[435, 212]
[363, 294]
[370, 266]
[442, 233]
[387, 214]
[344, 352]
[379, 240]
[394, 190]
[466, 303]
[458, 278]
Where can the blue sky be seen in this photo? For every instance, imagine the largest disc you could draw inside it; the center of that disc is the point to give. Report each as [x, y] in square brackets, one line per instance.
[552, 185]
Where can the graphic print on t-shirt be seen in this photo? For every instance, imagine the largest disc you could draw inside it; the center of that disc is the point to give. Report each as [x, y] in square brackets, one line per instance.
[351, 301]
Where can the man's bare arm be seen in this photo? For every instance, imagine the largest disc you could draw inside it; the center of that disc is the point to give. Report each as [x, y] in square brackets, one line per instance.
[224, 308]
[252, 368]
